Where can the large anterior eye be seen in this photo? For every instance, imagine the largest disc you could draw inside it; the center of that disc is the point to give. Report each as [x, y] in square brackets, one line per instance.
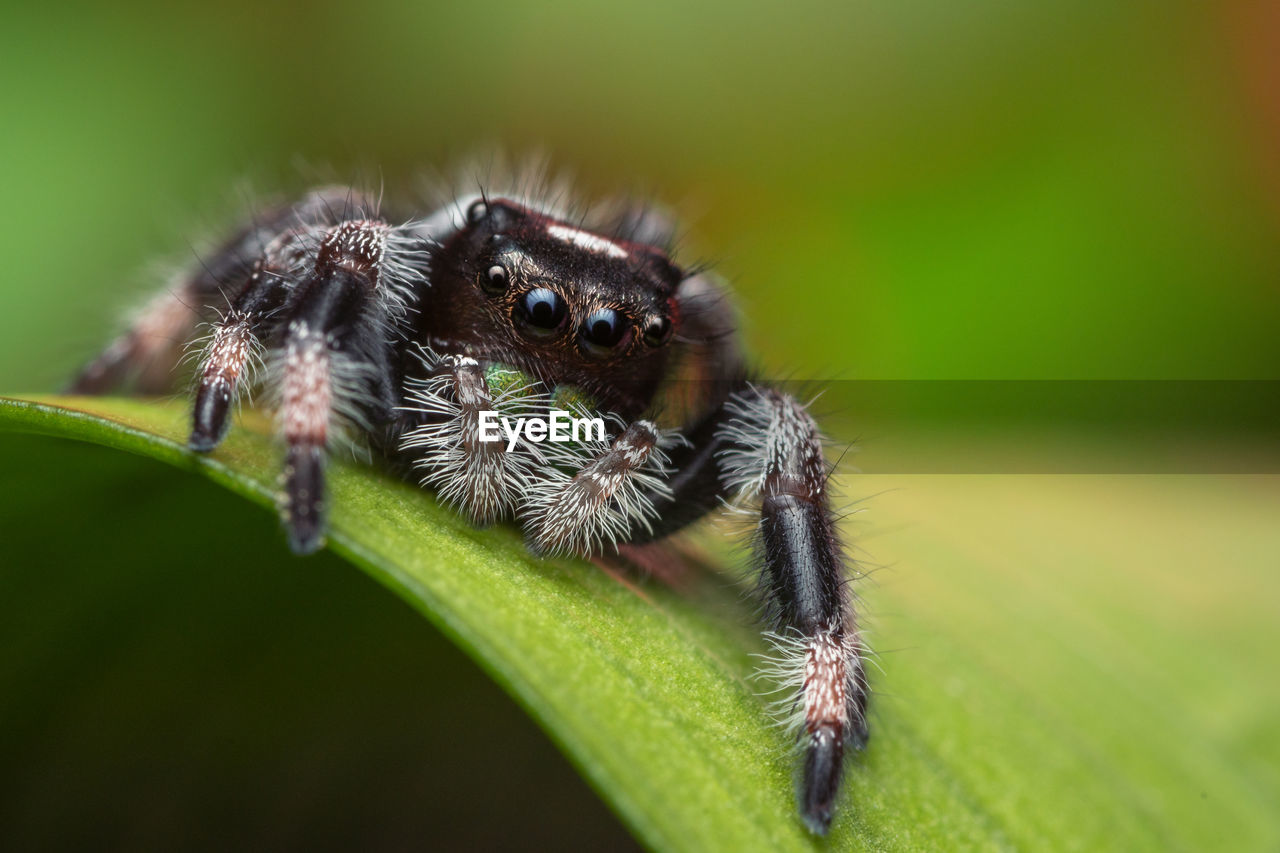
[603, 330]
[541, 311]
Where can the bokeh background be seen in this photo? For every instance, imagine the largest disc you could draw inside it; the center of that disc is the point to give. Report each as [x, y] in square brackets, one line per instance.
[905, 191]
[900, 190]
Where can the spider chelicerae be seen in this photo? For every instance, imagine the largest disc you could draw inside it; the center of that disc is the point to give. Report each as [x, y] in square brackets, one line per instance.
[407, 332]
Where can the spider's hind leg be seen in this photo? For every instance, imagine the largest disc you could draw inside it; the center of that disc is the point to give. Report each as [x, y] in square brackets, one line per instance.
[146, 354]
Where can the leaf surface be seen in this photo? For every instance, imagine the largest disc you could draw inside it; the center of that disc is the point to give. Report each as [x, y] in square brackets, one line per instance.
[1058, 667]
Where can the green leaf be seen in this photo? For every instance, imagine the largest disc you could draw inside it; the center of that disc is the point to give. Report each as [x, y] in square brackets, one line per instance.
[1067, 661]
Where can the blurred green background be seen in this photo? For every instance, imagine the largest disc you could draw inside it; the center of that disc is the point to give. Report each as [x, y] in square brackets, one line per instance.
[898, 190]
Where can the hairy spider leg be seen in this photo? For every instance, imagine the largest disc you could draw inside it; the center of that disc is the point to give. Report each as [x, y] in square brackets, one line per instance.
[774, 454]
[591, 507]
[238, 339]
[148, 351]
[335, 351]
[477, 477]
[762, 446]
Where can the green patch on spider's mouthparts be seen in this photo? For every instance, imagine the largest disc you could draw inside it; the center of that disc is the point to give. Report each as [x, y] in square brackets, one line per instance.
[504, 380]
[1073, 676]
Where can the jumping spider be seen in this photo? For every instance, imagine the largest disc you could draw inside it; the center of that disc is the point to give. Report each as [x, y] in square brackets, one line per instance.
[405, 333]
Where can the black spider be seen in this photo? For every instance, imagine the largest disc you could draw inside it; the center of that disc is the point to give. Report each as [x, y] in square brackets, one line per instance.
[407, 333]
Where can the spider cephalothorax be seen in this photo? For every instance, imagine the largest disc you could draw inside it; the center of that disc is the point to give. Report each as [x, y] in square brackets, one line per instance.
[412, 334]
[561, 303]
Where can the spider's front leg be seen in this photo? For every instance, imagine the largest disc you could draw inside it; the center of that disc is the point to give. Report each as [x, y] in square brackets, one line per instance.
[761, 446]
[773, 453]
[326, 301]
[334, 360]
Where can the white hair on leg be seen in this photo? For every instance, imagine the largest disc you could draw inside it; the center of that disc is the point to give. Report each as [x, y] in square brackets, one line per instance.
[477, 477]
[594, 493]
[767, 432]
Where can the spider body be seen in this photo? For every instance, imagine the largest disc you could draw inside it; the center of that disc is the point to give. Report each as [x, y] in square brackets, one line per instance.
[408, 334]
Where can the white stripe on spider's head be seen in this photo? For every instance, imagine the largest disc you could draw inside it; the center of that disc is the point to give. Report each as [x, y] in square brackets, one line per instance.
[586, 240]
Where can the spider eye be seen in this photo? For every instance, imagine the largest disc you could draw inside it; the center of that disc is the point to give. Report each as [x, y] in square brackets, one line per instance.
[602, 330]
[495, 280]
[541, 311]
[657, 331]
[477, 211]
